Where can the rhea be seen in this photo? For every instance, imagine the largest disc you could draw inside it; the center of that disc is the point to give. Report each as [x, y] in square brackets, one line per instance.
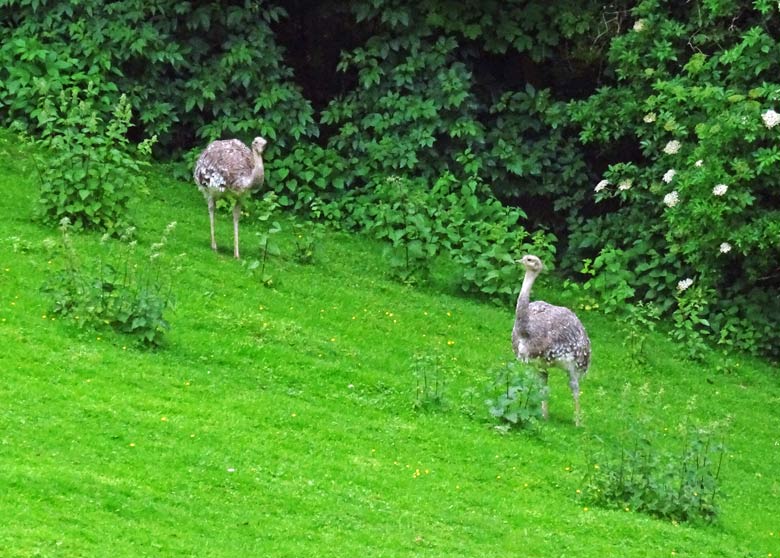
[549, 336]
[229, 169]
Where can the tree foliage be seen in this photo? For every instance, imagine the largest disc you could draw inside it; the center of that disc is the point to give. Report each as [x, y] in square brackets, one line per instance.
[192, 71]
[694, 202]
[667, 110]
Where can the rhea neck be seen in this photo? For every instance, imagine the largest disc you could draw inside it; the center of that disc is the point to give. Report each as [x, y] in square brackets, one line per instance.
[521, 310]
[258, 171]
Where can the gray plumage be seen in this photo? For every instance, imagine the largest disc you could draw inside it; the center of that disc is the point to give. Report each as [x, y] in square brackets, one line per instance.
[228, 168]
[549, 336]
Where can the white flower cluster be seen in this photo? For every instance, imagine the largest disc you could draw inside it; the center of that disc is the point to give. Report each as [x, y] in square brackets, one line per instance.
[719, 190]
[698, 163]
[725, 247]
[669, 175]
[649, 118]
[601, 185]
[771, 118]
[683, 284]
[671, 199]
[625, 184]
[672, 147]
[639, 25]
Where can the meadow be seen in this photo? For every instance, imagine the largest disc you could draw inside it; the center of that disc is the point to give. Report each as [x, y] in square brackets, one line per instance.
[280, 420]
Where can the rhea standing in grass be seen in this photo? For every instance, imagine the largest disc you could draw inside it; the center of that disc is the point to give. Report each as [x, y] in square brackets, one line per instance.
[549, 336]
[228, 168]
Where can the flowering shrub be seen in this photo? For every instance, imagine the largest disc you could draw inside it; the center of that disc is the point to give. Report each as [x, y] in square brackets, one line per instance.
[691, 120]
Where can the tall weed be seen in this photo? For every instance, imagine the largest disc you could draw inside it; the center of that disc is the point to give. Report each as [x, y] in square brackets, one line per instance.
[122, 290]
[644, 471]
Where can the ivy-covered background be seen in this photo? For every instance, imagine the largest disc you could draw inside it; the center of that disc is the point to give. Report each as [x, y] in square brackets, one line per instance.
[633, 144]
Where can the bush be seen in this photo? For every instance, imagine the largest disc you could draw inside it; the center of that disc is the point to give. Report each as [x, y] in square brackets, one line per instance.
[90, 169]
[128, 294]
[639, 472]
[691, 194]
[455, 219]
[191, 72]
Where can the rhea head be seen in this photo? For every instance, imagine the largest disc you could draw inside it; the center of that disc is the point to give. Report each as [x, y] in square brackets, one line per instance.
[258, 145]
[531, 263]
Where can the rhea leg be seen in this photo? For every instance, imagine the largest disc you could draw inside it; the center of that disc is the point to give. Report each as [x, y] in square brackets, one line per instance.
[574, 385]
[543, 375]
[211, 205]
[236, 217]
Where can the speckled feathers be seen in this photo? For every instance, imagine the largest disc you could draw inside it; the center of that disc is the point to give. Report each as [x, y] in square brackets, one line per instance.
[230, 166]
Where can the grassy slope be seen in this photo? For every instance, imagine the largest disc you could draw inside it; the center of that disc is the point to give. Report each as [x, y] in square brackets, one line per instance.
[279, 421]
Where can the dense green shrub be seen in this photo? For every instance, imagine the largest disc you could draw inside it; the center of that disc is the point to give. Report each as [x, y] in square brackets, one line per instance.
[455, 219]
[90, 169]
[689, 196]
[192, 72]
[427, 101]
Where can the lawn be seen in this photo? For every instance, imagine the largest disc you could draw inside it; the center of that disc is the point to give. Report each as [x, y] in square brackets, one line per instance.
[280, 421]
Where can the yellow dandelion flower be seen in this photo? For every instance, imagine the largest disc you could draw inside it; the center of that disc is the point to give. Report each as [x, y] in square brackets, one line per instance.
[164, 419]
[132, 444]
[585, 509]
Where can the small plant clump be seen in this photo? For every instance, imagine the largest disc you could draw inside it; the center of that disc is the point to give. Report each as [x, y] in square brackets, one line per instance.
[431, 375]
[263, 210]
[125, 292]
[639, 474]
[515, 397]
[307, 237]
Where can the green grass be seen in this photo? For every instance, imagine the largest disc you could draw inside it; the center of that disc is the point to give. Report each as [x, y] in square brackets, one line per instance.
[279, 421]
